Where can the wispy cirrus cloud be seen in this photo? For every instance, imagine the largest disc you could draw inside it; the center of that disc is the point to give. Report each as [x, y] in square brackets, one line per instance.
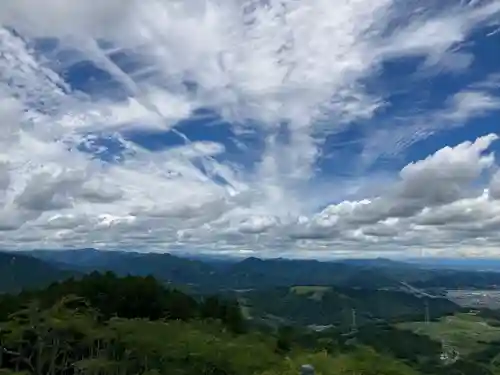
[289, 72]
[471, 103]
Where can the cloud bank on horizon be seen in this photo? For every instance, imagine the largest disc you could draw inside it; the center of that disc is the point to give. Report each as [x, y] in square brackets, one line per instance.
[264, 127]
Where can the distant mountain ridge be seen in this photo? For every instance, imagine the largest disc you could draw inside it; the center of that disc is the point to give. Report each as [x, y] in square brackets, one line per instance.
[262, 273]
[470, 264]
[21, 271]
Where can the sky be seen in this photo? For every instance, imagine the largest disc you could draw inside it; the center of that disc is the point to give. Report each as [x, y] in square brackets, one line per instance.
[263, 128]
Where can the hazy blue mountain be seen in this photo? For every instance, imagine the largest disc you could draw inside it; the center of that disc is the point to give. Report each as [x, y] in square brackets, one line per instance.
[20, 271]
[216, 274]
[470, 264]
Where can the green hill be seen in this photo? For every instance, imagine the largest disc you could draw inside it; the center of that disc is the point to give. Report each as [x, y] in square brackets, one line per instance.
[104, 324]
[19, 271]
[127, 326]
[466, 332]
[164, 267]
[319, 305]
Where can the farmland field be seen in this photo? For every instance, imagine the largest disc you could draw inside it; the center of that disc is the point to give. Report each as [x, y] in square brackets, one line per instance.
[465, 332]
[316, 292]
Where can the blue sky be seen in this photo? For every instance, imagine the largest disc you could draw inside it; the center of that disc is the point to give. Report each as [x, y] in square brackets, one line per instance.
[408, 92]
[279, 128]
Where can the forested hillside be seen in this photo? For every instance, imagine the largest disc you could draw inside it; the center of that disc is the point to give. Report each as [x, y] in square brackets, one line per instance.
[334, 305]
[223, 318]
[104, 324]
[212, 276]
[135, 326]
[19, 271]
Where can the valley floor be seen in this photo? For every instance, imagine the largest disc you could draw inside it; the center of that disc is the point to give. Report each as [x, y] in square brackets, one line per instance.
[466, 332]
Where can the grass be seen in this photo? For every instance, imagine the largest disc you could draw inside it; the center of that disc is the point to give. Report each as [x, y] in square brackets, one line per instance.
[245, 310]
[316, 291]
[305, 289]
[465, 332]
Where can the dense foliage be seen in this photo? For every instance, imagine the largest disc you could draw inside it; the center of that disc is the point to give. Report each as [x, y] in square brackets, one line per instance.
[104, 324]
[334, 305]
[129, 297]
[54, 331]
[116, 323]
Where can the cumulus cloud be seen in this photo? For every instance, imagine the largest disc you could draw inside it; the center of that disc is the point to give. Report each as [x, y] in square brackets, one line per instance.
[494, 189]
[267, 68]
[443, 177]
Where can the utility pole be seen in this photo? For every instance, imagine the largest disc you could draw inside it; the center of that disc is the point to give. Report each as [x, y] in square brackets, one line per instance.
[354, 327]
[427, 314]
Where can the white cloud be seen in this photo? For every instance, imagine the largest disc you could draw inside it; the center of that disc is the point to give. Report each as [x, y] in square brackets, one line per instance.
[435, 35]
[4, 176]
[494, 189]
[304, 65]
[59, 17]
[466, 105]
[443, 177]
[433, 203]
[257, 224]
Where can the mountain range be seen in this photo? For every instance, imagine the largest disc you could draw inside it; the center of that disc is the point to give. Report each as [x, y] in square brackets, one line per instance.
[20, 271]
[219, 274]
